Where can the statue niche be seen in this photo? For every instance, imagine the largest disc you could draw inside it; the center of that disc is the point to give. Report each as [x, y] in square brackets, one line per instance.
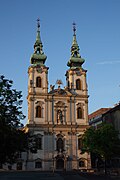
[59, 117]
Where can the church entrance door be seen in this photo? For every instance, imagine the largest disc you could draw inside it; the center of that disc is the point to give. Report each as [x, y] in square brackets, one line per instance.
[60, 164]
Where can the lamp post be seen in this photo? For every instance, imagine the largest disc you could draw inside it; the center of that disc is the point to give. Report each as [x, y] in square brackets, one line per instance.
[76, 134]
[53, 165]
[65, 162]
[53, 156]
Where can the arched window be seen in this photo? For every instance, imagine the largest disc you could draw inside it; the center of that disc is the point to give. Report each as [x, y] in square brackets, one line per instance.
[68, 83]
[60, 144]
[78, 84]
[79, 143]
[38, 112]
[79, 113]
[39, 142]
[81, 163]
[38, 164]
[38, 82]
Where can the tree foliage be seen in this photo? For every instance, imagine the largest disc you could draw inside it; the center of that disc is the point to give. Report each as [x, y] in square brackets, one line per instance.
[12, 138]
[10, 104]
[104, 142]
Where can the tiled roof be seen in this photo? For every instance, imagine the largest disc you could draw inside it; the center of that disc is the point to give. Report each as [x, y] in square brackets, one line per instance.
[98, 113]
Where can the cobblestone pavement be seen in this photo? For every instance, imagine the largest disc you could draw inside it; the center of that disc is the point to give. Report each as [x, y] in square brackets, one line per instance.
[25, 175]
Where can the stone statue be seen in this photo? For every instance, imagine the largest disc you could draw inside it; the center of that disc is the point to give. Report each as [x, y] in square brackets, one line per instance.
[52, 87]
[59, 116]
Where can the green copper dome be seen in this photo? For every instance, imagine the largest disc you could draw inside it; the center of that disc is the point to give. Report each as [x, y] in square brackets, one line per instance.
[75, 59]
[38, 57]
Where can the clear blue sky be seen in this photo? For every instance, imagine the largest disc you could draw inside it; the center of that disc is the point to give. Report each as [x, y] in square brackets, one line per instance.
[98, 36]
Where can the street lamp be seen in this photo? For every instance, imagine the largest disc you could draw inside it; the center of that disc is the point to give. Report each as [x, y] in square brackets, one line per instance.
[53, 164]
[65, 160]
[53, 156]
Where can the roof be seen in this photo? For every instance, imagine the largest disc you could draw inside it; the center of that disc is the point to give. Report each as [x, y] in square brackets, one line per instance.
[58, 91]
[63, 92]
[98, 113]
[115, 108]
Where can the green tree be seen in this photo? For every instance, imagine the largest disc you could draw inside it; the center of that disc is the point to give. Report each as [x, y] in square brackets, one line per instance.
[103, 141]
[12, 138]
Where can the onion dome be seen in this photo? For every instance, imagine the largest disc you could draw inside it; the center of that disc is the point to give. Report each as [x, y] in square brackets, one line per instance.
[75, 59]
[38, 57]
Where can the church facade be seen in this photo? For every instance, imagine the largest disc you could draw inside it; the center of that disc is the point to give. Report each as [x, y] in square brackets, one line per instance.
[57, 116]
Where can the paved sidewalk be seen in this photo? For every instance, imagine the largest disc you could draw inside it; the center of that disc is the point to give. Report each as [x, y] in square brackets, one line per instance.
[38, 175]
[29, 176]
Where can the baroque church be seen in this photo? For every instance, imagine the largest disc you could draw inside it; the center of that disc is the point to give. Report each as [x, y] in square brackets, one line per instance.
[57, 117]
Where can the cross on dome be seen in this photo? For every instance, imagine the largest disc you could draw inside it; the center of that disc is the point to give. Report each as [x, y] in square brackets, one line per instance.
[38, 23]
[74, 27]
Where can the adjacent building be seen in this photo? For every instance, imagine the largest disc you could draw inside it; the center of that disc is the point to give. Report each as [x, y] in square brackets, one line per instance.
[96, 118]
[106, 115]
[113, 116]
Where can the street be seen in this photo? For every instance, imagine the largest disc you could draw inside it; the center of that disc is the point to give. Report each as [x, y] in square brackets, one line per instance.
[22, 175]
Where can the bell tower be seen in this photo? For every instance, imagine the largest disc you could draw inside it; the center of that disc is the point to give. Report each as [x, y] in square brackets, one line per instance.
[76, 80]
[76, 75]
[37, 80]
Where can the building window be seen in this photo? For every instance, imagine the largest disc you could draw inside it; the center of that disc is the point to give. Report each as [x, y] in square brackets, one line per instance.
[19, 155]
[68, 83]
[79, 143]
[81, 163]
[39, 142]
[78, 84]
[60, 145]
[38, 112]
[79, 113]
[38, 82]
[38, 164]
